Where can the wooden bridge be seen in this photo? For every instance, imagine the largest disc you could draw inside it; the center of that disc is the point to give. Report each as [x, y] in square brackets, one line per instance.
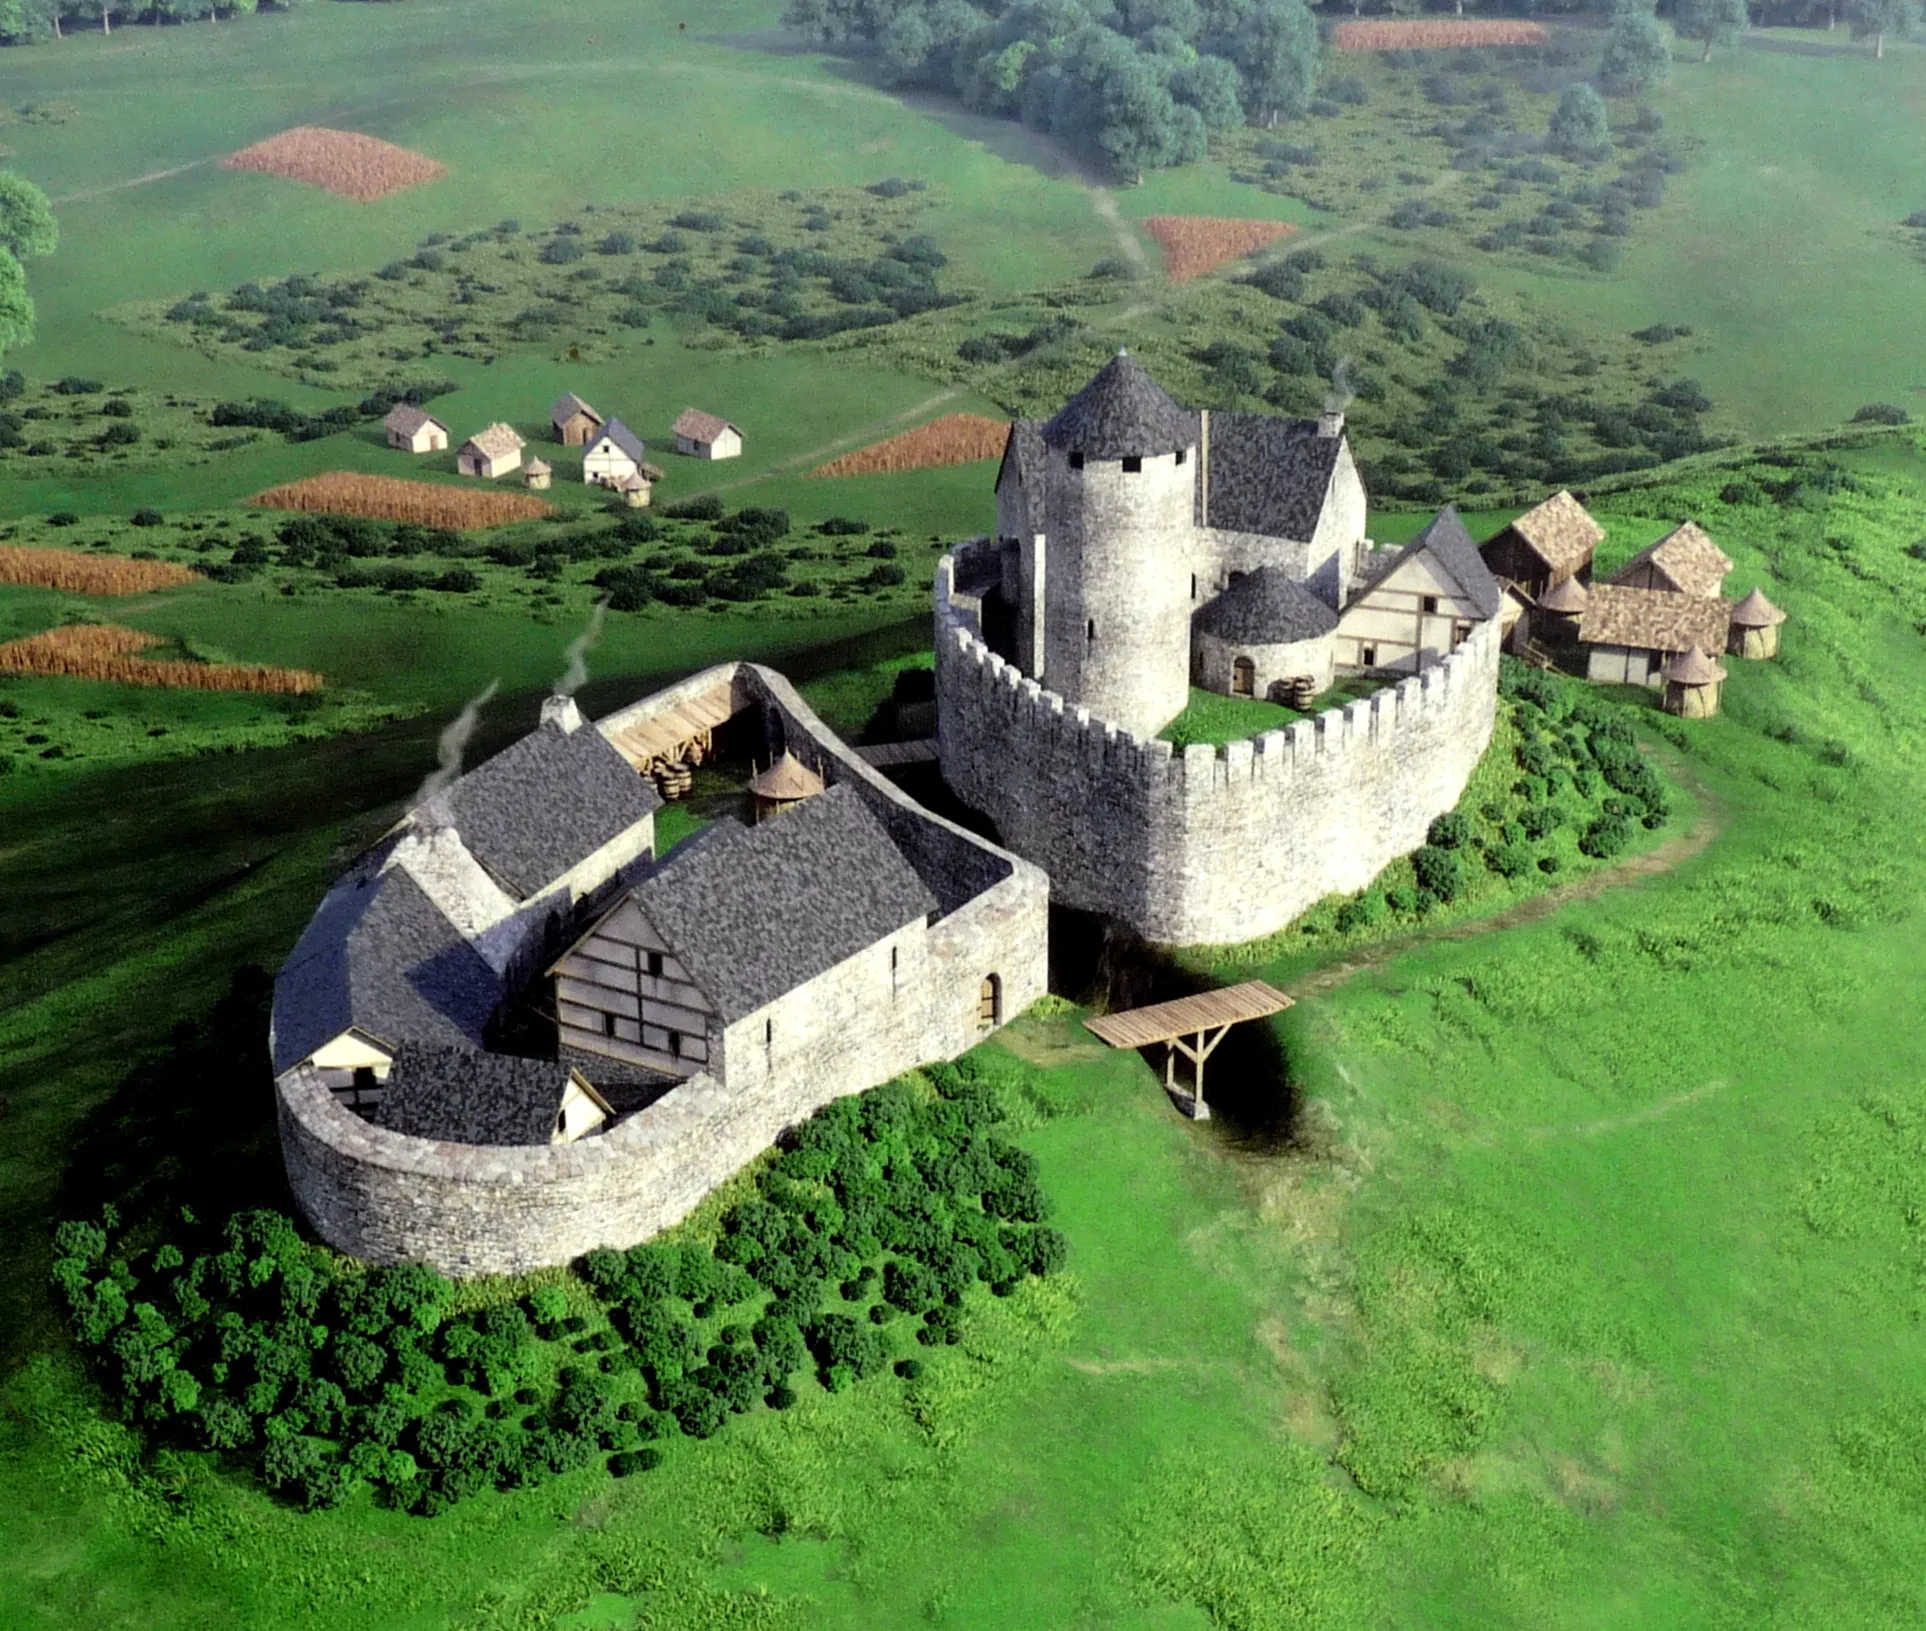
[1192, 1026]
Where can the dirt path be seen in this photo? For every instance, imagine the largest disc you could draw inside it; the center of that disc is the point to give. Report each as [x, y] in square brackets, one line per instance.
[132, 181]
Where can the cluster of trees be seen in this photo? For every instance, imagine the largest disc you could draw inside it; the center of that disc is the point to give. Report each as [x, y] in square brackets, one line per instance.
[298, 425]
[27, 231]
[1132, 85]
[882, 1214]
[24, 21]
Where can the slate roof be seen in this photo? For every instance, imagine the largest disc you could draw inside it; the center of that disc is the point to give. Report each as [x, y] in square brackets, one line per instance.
[1023, 456]
[406, 418]
[701, 427]
[753, 912]
[1756, 612]
[1267, 607]
[546, 803]
[1269, 475]
[1686, 557]
[1654, 619]
[380, 955]
[1122, 411]
[1560, 532]
[567, 406]
[619, 434]
[464, 1096]
[497, 441]
[1444, 538]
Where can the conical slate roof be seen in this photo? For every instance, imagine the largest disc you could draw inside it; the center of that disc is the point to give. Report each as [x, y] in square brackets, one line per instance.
[1266, 608]
[1692, 668]
[1756, 612]
[1123, 411]
[1567, 595]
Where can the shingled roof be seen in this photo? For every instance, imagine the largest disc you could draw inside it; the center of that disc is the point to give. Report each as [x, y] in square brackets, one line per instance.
[1444, 538]
[545, 804]
[701, 427]
[1560, 532]
[1566, 595]
[753, 912]
[567, 406]
[1123, 411]
[1686, 558]
[379, 955]
[464, 1096]
[619, 434]
[1269, 475]
[1267, 607]
[1654, 619]
[405, 419]
[497, 441]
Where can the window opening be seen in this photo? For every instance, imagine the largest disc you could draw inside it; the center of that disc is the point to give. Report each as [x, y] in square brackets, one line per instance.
[655, 965]
[1090, 632]
[608, 1025]
[1368, 655]
[1076, 461]
[1430, 605]
[1133, 465]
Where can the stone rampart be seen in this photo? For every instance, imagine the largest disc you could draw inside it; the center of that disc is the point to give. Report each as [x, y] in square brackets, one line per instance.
[485, 1209]
[1212, 845]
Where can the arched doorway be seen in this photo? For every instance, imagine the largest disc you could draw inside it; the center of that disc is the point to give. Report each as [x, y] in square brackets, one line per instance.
[1243, 677]
[989, 1002]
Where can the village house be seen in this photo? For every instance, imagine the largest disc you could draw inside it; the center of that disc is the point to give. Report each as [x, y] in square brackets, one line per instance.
[493, 452]
[1420, 603]
[1632, 632]
[413, 431]
[612, 453]
[574, 420]
[1684, 562]
[704, 436]
[1550, 544]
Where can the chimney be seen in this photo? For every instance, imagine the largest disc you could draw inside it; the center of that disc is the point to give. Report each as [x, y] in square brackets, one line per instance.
[1330, 424]
[562, 714]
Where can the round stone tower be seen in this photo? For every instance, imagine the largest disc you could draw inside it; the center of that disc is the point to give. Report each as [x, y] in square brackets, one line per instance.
[1121, 483]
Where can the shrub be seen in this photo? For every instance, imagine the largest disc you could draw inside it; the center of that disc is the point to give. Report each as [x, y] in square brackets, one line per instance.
[1365, 912]
[1605, 837]
[1439, 871]
[1452, 830]
[1881, 413]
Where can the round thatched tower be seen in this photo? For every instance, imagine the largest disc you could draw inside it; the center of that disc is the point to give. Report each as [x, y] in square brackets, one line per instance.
[1121, 472]
[1692, 682]
[1755, 627]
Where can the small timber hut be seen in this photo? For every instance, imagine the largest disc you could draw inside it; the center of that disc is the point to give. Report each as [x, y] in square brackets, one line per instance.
[783, 786]
[537, 474]
[490, 453]
[1692, 685]
[1192, 1026]
[574, 420]
[1755, 627]
[1546, 546]
[1684, 562]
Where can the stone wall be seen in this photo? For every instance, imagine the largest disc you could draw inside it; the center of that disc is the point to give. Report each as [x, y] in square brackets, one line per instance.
[1272, 665]
[1216, 844]
[474, 1209]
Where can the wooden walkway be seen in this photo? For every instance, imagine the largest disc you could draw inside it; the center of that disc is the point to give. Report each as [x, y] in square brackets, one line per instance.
[1195, 1018]
[883, 755]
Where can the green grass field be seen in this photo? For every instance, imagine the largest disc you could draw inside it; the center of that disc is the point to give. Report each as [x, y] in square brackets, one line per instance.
[1553, 1262]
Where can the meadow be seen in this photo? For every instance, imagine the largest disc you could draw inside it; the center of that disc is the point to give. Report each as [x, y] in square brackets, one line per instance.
[1552, 1262]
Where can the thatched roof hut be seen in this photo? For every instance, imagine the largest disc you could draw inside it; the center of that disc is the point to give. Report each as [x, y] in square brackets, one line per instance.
[785, 783]
[1755, 627]
[1684, 562]
[1692, 682]
[537, 473]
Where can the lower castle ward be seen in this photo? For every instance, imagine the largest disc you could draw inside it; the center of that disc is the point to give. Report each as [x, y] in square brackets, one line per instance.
[518, 1028]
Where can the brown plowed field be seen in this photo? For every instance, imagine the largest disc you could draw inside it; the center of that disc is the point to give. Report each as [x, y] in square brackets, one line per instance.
[1196, 244]
[104, 651]
[956, 438]
[363, 168]
[88, 574]
[1436, 33]
[426, 504]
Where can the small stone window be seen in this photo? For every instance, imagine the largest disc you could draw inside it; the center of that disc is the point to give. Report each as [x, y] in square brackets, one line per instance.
[1193, 586]
[653, 961]
[608, 1025]
[768, 1033]
[1076, 461]
[895, 957]
[1368, 655]
[1133, 466]
[1460, 632]
[1180, 455]
[1090, 632]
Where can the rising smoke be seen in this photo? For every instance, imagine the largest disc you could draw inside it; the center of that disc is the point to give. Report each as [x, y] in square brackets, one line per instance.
[576, 674]
[452, 744]
[1341, 395]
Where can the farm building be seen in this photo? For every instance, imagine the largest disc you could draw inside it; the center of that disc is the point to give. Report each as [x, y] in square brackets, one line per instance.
[1631, 632]
[574, 420]
[1264, 635]
[1544, 547]
[413, 431]
[1684, 562]
[537, 474]
[613, 452]
[1420, 604]
[493, 452]
[1755, 627]
[704, 436]
[1692, 682]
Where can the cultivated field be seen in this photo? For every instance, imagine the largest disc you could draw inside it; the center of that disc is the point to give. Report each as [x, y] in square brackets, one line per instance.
[88, 574]
[956, 438]
[1435, 34]
[102, 651]
[1196, 244]
[390, 498]
[363, 168]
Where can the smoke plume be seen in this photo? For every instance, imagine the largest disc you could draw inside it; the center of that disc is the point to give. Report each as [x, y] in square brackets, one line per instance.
[452, 744]
[1341, 394]
[576, 675]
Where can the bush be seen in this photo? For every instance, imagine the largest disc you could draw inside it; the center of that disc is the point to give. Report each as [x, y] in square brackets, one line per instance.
[147, 518]
[1440, 872]
[1365, 912]
[1881, 413]
[1605, 837]
[1452, 830]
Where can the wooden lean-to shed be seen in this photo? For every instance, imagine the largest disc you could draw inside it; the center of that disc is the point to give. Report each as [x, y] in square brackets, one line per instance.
[1544, 547]
[1755, 627]
[704, 436]
[1684, 562]
[490, 453]
[413, 431]
[1692, 682]
[574, 420]
[1631, 632]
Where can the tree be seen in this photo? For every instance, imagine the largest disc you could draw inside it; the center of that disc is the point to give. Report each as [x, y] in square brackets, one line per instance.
[1579, 126]
[1875, 19]
[1716, 22]
[1210, 85]
[16, 308]
[1275, 47]
[1637, 55]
